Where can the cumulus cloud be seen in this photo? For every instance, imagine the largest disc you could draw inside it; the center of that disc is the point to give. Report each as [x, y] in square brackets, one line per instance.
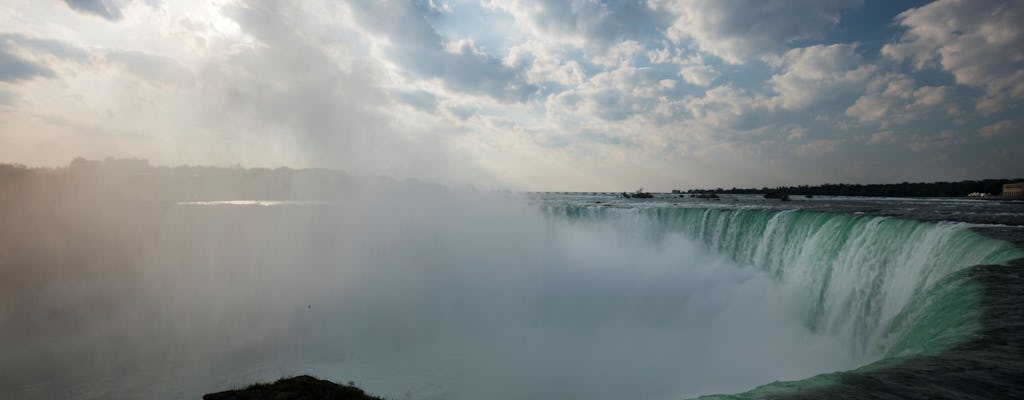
[894, 99]
[417, 48]
[14, 68]
[619, 54]
[426, 86]
[545, 63]
[817, 75]
[151, 68]
[981, 43]
[727, 108]
[338, 112]
[698, 74]
[107, 9]
[797, 133]
[39, 46]
[24, 57]
[998, 128]
[882, 137]
[739, 31]
[110, 10]
[590, 25]
[612, 95]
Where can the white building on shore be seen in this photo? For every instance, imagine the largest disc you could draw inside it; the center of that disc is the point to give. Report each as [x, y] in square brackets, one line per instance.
[1013, 189]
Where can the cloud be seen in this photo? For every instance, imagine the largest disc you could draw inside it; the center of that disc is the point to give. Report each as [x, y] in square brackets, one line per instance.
[544, 63]
[292, 83]
[726, 108]
[695, 70]
[149, 67]
[592, 26]
[739, 31]
[612, 96]
[461, 112]
[998, 128]
[39, 46]
[818, 147]
[619, 54]
[314, 93]
[946, 138]
[416, 88]
[881, 137]
[109, 10]
[893, 99]
[817, 75]
[152, 68]
[981, 43]
[7, 98]
[415, 47]
[698, 75]
[419, 99]
[14, 68]
[797, 133]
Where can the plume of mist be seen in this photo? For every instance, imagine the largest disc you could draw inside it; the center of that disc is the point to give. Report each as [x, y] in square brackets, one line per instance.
[429, 293]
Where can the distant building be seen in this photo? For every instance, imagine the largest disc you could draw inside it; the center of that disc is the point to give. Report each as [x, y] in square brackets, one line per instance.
[1013, 189]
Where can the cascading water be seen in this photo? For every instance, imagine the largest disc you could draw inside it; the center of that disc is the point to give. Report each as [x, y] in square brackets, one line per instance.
[889, 288]
[467, 297]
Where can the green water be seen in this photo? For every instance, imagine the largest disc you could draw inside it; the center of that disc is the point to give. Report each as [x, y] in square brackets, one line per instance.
[892, 289]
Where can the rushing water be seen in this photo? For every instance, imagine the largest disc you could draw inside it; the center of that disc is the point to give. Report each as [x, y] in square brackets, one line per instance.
[467, 297]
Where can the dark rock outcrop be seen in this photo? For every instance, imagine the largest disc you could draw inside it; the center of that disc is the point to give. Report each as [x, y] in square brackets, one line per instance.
[303, 387]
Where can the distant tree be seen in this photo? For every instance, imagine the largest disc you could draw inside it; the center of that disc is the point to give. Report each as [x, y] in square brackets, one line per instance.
[904, 189]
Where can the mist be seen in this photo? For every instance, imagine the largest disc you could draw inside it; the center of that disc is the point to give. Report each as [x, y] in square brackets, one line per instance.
[422, 294]
[121, 279]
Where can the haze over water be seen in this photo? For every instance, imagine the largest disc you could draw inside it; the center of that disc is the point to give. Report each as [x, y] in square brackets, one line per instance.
[201, 194]
[449, 297]
[456, 295]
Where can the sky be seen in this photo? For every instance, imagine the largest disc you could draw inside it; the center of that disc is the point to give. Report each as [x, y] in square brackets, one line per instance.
[580, 95]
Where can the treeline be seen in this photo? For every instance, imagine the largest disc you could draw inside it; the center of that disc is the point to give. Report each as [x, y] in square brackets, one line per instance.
[920, 189]
[136, 179]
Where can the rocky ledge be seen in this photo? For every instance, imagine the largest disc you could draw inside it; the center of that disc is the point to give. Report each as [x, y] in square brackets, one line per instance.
[303, 387]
